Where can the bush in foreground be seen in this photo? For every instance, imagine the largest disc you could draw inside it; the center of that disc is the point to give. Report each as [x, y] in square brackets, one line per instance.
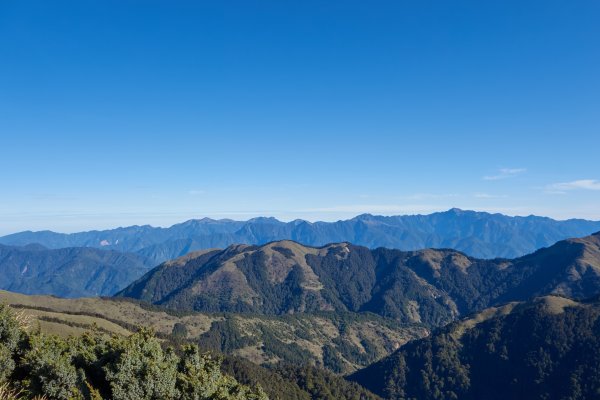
[94, 367]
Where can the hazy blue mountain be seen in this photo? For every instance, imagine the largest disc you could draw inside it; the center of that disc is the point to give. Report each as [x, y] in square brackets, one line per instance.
[68, 272]
[430, 286]
[478, 234]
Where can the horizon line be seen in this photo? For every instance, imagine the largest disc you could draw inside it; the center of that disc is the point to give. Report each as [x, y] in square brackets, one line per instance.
[284, 220]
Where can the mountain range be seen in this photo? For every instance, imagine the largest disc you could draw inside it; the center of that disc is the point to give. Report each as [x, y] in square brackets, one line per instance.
[521, 328]
[427, 324]
[478, 234]
[431, 287]
[68, 272]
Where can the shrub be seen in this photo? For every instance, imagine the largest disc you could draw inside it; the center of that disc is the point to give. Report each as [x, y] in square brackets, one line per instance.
[93, 366]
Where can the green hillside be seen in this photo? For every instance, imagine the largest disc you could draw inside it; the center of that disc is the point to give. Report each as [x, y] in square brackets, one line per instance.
[36, 365]
[340, 342]
[548, 348]
[106, 317]
[430, 287]
[68, 272]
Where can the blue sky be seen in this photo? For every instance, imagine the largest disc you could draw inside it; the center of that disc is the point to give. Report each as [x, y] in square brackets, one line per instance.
[121, 112]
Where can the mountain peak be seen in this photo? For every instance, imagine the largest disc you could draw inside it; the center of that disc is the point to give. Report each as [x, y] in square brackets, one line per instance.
[364, 217]
[263, 220]
[196, 221]
[297, 222]
[478, 234]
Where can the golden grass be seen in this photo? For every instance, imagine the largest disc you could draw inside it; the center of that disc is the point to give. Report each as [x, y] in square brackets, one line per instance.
[8, 393]
[70, 317]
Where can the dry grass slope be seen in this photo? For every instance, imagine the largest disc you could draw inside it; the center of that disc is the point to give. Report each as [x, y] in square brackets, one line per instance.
[356, 340]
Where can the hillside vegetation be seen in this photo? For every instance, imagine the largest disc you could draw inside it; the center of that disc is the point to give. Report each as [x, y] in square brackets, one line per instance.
[430, 287]
[95, 366]
[75, 317]
[340, 343]
[68, 272]
[545, 349]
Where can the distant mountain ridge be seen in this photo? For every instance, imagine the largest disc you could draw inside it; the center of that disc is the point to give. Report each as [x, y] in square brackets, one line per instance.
[430, 286]
[478, 234]
[68, 272]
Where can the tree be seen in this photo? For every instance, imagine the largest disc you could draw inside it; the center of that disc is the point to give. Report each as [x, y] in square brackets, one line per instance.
[138, 368]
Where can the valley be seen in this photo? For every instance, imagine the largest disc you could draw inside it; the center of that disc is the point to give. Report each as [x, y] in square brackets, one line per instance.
[357, 321]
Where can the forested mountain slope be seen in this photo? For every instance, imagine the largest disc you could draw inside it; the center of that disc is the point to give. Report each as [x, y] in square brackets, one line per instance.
[548, 348]
[68, 272]
[431, 286]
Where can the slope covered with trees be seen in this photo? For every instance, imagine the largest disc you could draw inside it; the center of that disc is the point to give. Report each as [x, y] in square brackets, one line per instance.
[94, 366]
[338, 342]
[430, 287]
[545, 349]
[68, 272]
[73, 319]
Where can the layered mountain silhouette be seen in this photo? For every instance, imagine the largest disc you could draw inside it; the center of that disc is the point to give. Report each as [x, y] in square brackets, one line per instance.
[478, 234]
[526, 327]
[431, 286]
[69, 272]
[548, 348]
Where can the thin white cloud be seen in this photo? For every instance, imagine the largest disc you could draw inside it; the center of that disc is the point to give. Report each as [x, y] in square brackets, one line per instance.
[504, 173]
[373, 208]
[489, 196]
[581, 184]
[424, 196]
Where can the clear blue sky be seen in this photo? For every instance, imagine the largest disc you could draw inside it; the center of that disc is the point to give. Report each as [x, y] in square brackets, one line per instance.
[122, 112]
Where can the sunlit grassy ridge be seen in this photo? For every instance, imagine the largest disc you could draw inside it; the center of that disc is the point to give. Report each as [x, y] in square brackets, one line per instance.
[341, 342]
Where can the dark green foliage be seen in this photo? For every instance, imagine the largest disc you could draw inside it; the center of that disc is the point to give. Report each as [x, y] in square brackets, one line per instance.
[545, 356]
[290, 352]
[283, 297]
[273, 383]
[167, 279]
[287, 382]
[332, 359]
[349, 351]
[340, 354]
[398, 286]
[94, 366]
[353, 278]
[200, 377]
[531, 353]
[324, 385]
[179, 331]
[138, 368]
[225, 336]
[10, 334]
[431, 287]
[348, 277]
[47, 363]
